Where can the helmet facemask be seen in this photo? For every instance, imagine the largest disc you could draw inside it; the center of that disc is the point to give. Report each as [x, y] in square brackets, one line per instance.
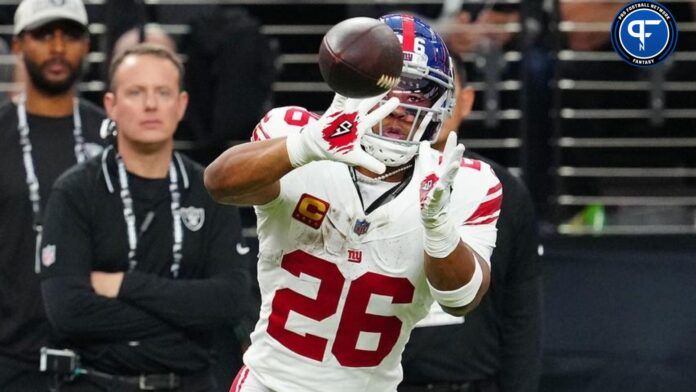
[428, 100]
[426, 76]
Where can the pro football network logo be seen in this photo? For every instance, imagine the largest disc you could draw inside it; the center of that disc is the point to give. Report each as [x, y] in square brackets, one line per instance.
[644, 33]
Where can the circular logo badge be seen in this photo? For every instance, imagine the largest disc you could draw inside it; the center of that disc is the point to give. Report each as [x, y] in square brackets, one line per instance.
[644, 33]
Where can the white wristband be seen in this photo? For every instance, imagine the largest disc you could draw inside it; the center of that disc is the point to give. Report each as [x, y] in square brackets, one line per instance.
[296, 150]
[440, 241]
[463, 295]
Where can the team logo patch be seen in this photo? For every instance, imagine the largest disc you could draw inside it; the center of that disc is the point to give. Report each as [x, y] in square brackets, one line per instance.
[192, 217]
[310, 210]
[644, 33]
[361, 226]
[354, 255]
[342, 132]
[48, 255]
[426, 185]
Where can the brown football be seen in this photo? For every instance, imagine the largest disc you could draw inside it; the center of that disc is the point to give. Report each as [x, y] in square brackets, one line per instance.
[360, 57]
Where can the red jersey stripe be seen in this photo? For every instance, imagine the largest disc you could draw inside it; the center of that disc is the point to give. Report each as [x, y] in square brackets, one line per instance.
[484, 222]
[487, 208]
[239, 379]
[495, 189]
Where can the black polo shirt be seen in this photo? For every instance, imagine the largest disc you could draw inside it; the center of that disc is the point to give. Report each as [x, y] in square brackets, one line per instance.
[23, 324]
[157, 324]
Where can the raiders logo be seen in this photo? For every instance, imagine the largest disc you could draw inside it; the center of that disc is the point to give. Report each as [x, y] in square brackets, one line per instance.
[192, 217]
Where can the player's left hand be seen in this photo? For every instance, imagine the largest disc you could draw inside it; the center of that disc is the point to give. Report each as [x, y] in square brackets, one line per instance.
[436, 185]
[441, 237]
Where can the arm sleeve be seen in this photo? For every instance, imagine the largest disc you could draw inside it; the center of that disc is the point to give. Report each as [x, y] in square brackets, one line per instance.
[521, 317]
[71, 305]
[222, 296]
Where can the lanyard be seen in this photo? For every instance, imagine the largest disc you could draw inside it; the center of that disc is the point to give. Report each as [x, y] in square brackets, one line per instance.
[129, 216]
[29, 168]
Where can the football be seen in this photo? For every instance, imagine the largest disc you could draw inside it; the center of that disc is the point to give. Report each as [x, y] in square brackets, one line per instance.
[360, 57]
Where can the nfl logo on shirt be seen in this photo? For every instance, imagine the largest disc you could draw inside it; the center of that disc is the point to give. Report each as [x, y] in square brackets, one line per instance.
[361, 226]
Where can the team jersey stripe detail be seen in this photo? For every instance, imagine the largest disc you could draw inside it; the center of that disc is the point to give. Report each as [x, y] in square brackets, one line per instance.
[486, 208]
[485, 222]
[495, 189]
[239, 380]
[259, 134]
[265, 134]
[489, 208]
[409, 33]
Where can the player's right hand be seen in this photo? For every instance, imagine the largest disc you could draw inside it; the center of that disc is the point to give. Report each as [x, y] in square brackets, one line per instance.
[336, 135]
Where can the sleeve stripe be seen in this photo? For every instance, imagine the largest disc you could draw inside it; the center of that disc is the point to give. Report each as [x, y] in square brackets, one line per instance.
[267, 136]
[487, 208]
[483, 218]
[485, 222]
[495, 189]
[259, 134]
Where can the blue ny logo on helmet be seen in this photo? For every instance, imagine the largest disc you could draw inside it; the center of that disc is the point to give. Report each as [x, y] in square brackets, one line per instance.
[644, 33]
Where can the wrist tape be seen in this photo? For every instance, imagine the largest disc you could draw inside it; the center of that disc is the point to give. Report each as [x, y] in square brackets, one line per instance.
[296, 150]
[463, 295]
[441, 240]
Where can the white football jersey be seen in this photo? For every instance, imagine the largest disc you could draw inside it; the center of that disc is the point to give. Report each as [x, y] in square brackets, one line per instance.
[341, 289]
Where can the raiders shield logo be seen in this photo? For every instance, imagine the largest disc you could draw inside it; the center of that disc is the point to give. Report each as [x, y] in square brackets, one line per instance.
[192, 217]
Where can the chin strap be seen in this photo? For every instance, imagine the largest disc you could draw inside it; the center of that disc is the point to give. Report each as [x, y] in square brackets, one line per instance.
[391, 152]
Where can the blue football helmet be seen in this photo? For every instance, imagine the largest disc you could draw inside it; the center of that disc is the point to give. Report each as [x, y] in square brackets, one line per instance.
[427, 74]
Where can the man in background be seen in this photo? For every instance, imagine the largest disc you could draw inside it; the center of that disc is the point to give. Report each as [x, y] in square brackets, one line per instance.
[498, 346]
[47, 130]
[140, 263]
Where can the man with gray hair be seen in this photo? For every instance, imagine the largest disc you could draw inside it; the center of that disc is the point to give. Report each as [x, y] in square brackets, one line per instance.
[44, 132]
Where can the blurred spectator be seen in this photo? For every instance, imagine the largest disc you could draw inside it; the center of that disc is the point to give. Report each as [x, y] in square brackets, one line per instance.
[43, 133]
[140, 265]
[466, 27]
[230, 71]
[466, 34]
[149, 33]
[589, 12]
[498, 346]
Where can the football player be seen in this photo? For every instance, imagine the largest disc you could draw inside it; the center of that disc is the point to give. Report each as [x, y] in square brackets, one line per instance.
[356, 234]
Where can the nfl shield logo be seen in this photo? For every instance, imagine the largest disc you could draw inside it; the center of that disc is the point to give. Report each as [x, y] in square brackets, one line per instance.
[361, 226]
